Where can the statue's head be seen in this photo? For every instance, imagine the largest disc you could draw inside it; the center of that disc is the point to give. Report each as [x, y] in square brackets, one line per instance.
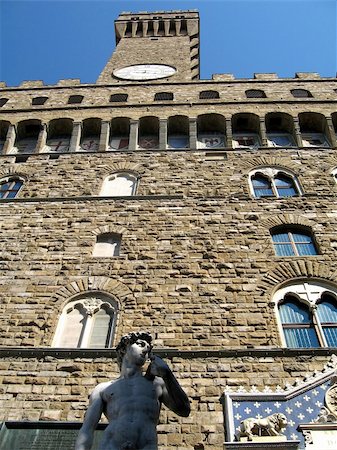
[130, 339]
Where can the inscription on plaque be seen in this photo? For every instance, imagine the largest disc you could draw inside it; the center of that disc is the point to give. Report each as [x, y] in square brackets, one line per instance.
[41, 436]
[323, 440]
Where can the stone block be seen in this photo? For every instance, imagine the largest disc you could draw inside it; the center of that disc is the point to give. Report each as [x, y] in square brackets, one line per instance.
[265, 76]
[52, 415]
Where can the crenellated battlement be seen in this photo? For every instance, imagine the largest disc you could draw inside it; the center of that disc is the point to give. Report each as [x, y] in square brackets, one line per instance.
[217, 77]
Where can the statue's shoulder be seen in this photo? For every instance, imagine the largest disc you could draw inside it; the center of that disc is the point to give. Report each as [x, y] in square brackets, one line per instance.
[100, 388]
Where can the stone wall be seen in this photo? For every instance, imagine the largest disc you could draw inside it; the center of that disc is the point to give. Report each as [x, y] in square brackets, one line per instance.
[56, 389]
[195, 268]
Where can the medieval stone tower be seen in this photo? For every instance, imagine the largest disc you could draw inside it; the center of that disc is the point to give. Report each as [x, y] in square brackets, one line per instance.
[203, 211]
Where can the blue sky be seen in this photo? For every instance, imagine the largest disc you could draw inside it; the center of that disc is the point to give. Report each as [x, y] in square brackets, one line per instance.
[49, 40]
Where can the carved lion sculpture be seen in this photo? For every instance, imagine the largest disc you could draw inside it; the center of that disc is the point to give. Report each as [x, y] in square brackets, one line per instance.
[271, 425]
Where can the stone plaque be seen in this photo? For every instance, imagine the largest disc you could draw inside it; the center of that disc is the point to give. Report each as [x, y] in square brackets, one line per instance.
[42, 436]
[322, 440]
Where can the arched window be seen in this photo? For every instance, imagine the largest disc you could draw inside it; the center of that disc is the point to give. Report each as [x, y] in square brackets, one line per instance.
[314, 129]
[107, 245]
[118, 97]
[119, 185]
[262, 186]
[301, 93]
[307, 314]
[148, 133]
[206, 95]
[246, 131]
[75, 99]
[255, 93]
[87, 322]
[119, 133]
[59, 135]
[4, 127]
[28, 132]
[293, 242]
[3, 101]
[163, 96]
[298, 327]
[91, 130]
[178, 132]
[39, 100]
[280, 130]
[327, 315]
[211, 131]
[10, 187]
[284, 185]
[271, 182]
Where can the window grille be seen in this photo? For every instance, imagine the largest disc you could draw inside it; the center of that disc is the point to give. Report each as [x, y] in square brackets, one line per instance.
[301, 93]
[39, 100]
[255, 93]
[75, 99]
[206, 95]
[118, 97]
[163, 96]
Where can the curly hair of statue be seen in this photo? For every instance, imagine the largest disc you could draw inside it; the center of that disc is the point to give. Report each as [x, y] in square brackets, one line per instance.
[129, 339]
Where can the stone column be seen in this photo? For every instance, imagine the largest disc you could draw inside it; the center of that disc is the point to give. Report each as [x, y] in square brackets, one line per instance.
[162, 134]
[42, 139]
[178, 26]
[104, 136]
[10, 140]
[134, 28]
[155, 27]
[145, 27]
[229, 133]
[133, 136]
[193, 133]
[167, 27]
[75, 137]
[331, 135]
[298, 137]
[263, 133]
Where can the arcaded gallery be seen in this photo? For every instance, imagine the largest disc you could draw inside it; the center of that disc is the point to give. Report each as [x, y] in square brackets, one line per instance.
[203, 212]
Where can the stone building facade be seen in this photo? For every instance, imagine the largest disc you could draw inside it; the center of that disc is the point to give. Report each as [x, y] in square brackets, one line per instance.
[203, 211]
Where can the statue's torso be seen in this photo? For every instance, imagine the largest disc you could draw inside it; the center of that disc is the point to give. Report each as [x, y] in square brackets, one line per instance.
[132, 406]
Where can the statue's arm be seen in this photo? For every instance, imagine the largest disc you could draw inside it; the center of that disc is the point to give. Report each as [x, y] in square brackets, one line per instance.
[173, 395]
[86, 434]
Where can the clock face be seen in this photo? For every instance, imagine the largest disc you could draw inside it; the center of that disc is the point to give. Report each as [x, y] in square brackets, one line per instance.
[144, 72]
